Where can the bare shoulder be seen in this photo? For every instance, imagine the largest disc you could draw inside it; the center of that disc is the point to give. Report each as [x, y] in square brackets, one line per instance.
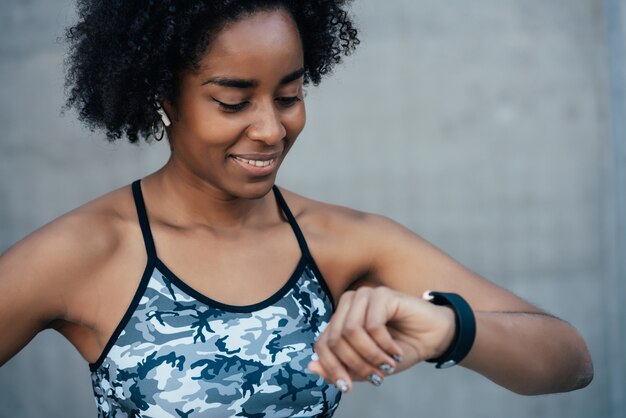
[358, 248]
[50, 277]
[91, 230]
[342, 240]
[342, 223]
[332, 221]
[67, 250]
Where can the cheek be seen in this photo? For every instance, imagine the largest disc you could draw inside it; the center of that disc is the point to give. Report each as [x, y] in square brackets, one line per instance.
[295, 121]
[210, 127]
[200, 118]
[219, 130]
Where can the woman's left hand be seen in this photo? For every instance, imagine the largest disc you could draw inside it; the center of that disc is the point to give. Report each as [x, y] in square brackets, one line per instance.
[378, 331]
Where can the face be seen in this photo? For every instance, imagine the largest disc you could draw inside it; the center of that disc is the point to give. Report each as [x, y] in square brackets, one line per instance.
[238, 115]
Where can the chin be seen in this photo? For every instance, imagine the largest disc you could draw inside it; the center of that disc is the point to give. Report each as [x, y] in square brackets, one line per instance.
[256, 190]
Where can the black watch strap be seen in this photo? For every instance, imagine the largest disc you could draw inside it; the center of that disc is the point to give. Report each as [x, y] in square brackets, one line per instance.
[465, 329]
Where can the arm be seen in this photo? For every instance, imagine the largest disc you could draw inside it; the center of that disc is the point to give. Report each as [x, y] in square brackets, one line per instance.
[29, 297]
[517, 345]
[530, 353]
[43, 276]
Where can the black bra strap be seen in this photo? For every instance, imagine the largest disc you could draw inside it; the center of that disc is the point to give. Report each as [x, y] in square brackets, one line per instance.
[292, 221]
[143, 220]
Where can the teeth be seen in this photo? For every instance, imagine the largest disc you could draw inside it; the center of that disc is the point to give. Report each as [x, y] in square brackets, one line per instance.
[256, 163]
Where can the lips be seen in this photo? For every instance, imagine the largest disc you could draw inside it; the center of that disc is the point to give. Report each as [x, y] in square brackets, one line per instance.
[256, 164]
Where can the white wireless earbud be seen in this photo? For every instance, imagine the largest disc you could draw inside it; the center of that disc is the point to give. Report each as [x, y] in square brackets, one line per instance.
[164, 118]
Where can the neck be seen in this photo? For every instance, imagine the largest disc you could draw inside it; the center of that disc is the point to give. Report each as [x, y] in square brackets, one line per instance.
[187, 199]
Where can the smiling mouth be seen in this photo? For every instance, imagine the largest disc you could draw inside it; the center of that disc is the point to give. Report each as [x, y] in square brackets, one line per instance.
[255, 163]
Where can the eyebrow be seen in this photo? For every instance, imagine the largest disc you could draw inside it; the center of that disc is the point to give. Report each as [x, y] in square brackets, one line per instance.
[239, 83]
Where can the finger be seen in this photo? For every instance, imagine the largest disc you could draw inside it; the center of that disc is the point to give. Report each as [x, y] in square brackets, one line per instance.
[316, 367]
[362, 353]
[331, 367]
[335, 372]
[357, 366]
[333, 334]
[379, 311]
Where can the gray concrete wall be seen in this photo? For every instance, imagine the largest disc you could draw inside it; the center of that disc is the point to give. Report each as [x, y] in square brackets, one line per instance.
[493, 128]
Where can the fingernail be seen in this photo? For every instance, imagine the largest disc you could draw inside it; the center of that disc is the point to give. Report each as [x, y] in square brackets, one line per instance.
[397, 358]
[375, 379]
[342, 385]
[315, 357]
[387, 368]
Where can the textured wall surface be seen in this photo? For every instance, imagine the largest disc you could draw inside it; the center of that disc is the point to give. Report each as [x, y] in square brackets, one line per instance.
[492, 128]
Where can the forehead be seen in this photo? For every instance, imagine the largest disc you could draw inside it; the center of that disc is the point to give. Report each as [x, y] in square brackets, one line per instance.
[263, 41]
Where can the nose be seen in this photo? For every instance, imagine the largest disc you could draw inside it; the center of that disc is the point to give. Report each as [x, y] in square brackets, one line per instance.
[267, 125]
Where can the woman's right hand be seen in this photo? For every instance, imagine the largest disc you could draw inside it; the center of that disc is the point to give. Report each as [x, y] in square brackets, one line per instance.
[378, 331]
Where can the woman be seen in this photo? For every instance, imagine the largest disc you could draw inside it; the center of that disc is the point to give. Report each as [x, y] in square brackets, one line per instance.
[202, 290]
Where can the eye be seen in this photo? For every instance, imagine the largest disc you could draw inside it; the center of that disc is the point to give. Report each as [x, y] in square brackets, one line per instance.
[288, 101]
[236, 107]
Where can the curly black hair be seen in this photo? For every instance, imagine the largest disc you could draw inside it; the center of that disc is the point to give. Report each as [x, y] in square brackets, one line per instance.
[126, 56]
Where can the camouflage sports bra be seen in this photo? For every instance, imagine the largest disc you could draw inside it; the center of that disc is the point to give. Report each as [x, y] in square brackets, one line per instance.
[177, 353]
